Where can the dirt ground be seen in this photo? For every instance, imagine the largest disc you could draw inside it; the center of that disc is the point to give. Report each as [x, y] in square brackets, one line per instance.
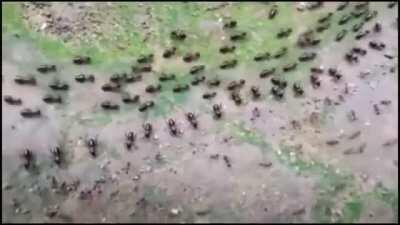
[302, 159]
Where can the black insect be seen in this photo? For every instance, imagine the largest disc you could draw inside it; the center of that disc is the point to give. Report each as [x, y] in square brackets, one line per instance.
[358, 13]
[59, 85]
[172, 127]
[83, 78]
[227, 49]
[340, 35]
[192, 119]
[351, 57]
[49, 98]
[190, 57]
[316, 70]
[386, 102]
[377, 27]
[335, 74]
[357, 26]
[359, 51]
[315, 81]
[166, 77]
[360, 5]
[133, 78]
[148, 128]
[237, 36]
[279, 82]
[46, 68]
[126, 98]
[289, 67]
[325, 18]
[352, 115]
[370, 15]
[298, 89]
[281, 52]
[12, 101]
[277, 92]
[230, 24]
[267, 72]
[145, 58]
[116, 77]
[235, 84]
[361, 34]
[198, 80]
[143, 68]
[228, 64]
[285, 32]
[255, 92]
[307, 56]
[146, 105]
[262, 56]
[130, 136]
[377, 45]
[227, 161]
[197, 68]
[391, 5]
[180, 88]
[273, 12]
[56, 154]
[30, 80]
[153, 88]
[178, 35]
[29, 113]
[322, 27]
[209, 95]
[314, 5]
[344, 19]
[213, 82]
[217, 110]
[342, 6]
[236, 97]
[92, 145]
[111, 87]
[108, 105]
[82, 60]
[168, 53]
[27, 156]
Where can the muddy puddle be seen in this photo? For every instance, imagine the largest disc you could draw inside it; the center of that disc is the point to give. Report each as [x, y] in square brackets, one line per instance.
[329, 155]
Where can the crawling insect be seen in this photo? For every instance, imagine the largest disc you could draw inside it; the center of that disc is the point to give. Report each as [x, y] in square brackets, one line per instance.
[27, 156]
[48, 98]
[325, 18]
[30, 113]
[227, 49]
[386, 102]
[391, 5]
[357, 26]
[114, 87]
[230, 24]
[361, 34]
[144, 68]
[273, 12]
[285, 32]
[126, 98]
[82, 78]
[81, 60]
[168, 53]
[281, 52]
[352, 115]
[145, 58]
[351, 57]
[341, 35]
[180, 88]
[92, 145]
[59, 85]
[316, 70]
[358, 13]
[235, 84]
[192, 119]
[277, 92]
[197, 68]
[227, 161]
[148, 128]
[298, 89]
[307, 56]
[376, 109]
[108, 105]
[335, 74]
[377, 28]
[236, 97]
[166, 77]
[198, 80]
[322, 27]
[46, 68]
[209, 95]
[342, 6]
[116, 77]
[217, 111]
[370, 15]
[178, 35]
[359, 51]
[56, 153]
[307, 39]
[130, 136]
[133, 78]
[360, 5]
[279, 82]
[30, 80]
[190, 57]
[12, 101]
[153, 88]
[228, 64]
[213, 82]
[214, 156]
[344, 19]
[146, 105]
[315, 81]
[267, 72]
[289, 67]
[255, 91]
[377, 45]
[172, 127]
[262, 56]
[237, 36]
